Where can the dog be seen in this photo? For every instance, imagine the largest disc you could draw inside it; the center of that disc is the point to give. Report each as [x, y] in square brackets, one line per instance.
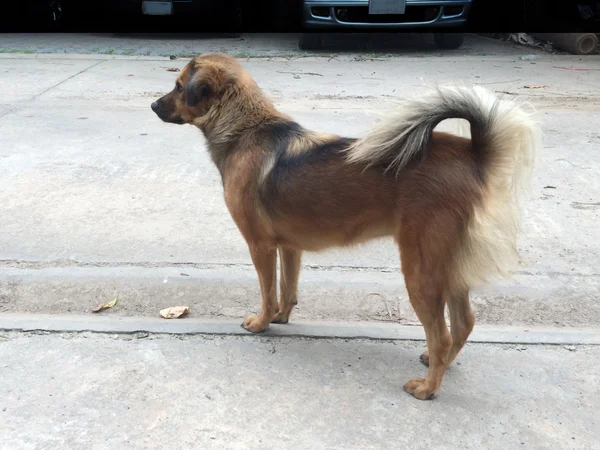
[449, 202]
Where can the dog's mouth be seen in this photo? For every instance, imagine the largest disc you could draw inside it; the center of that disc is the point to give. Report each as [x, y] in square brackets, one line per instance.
[163, 115]
[175, 120]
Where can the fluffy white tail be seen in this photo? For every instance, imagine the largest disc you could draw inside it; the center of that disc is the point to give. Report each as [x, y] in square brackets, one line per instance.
[505, 137]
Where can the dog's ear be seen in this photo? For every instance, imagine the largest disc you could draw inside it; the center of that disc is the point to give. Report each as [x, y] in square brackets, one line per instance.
[197, 92]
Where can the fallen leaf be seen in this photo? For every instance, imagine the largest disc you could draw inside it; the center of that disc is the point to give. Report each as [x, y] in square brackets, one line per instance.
[534, 86]
[174, 312]
[106, 305]
[172, 69]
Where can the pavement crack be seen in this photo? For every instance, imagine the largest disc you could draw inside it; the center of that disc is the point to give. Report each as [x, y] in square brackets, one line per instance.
[572, 164]
[67, 79]
[16, 109]
[8, 111]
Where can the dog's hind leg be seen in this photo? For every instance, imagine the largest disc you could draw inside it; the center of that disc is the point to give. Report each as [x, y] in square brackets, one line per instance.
[462, 321]
[425, 277]
[264, 258]
[290, 270]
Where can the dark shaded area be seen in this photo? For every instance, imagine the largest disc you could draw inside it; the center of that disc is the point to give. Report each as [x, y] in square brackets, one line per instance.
[119, 16]
[534, 16]
[239, 16]
[406, 42]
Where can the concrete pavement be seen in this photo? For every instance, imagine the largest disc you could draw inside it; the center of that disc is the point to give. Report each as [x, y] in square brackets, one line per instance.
[253, 45]
[98, 198]
[83, 391]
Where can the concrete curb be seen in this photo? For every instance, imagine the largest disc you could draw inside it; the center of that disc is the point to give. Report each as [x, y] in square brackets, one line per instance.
[322, 330]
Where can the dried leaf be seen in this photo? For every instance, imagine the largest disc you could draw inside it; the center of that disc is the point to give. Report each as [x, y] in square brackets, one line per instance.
[172, 69]
[534, 86]
[174, 312]
[106, 305]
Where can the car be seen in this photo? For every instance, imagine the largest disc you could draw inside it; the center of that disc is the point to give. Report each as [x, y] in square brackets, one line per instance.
[31, 15]
[127, 16]
[207, 16]
[389, 15]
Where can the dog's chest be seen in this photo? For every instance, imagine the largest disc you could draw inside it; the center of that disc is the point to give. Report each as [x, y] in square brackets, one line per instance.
[240, 191]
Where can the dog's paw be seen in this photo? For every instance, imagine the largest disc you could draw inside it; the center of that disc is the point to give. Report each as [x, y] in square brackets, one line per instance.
[280, 318]
[425, 358]
[418, 388]
[255, 324]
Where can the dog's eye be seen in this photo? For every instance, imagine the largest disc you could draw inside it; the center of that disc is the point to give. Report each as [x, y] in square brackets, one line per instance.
[179, 87]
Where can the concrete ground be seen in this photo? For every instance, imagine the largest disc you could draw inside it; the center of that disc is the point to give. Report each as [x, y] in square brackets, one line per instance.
[100, 199]
[82, 391]
[247, 45]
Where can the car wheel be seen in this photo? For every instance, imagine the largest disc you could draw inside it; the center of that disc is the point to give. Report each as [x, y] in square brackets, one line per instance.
[310, 41]
[448, 41]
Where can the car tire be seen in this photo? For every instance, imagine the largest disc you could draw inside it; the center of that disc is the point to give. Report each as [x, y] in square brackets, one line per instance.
[310, 41]
[448, 41]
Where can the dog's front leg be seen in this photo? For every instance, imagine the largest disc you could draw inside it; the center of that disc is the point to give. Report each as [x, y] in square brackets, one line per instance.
[264, 258]
[288, 289]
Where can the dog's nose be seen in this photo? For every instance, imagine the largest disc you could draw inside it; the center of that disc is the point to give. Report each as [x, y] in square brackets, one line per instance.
[154, 106]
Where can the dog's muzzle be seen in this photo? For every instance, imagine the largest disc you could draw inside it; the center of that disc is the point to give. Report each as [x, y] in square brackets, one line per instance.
[159, 108]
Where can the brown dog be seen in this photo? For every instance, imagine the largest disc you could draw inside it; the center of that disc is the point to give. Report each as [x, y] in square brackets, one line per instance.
[448, 201]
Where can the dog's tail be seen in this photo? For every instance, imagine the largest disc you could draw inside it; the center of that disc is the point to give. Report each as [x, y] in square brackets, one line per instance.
[504, 137]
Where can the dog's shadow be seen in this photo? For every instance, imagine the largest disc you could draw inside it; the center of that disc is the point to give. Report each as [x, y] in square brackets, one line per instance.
[367, 365]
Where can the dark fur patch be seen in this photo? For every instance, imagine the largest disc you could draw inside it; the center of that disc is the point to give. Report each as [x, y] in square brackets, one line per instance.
[196, 94]
[288, 167]
[279, 135]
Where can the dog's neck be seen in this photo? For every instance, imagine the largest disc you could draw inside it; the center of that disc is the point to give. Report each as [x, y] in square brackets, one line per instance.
[236, 113]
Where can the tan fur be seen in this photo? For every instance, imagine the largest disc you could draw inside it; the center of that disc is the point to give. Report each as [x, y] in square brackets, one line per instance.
[489, 249]
[448, 201]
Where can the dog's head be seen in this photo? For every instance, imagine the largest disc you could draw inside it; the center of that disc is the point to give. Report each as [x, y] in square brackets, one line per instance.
[200, 85]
